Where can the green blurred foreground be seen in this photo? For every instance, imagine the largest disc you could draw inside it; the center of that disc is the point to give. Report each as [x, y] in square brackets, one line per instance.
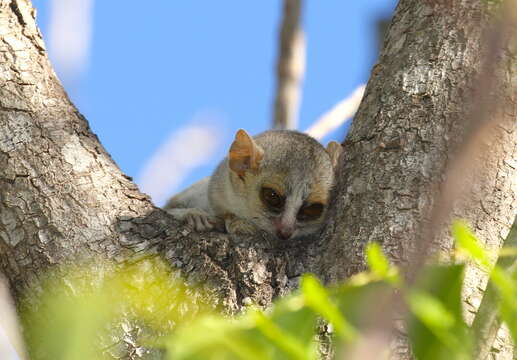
[78, 315]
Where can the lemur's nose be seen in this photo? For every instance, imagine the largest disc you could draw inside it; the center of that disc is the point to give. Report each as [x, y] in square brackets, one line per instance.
[284, 227]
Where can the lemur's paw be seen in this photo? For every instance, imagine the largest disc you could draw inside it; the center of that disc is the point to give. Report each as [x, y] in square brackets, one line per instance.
[234, 225]
[197, 219]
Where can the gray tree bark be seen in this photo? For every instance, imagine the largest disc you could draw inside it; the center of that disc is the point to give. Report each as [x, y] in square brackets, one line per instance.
[419, 107]
[62, 197]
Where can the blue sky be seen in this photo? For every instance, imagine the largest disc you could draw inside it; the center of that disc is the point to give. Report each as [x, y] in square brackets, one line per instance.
[154, 68]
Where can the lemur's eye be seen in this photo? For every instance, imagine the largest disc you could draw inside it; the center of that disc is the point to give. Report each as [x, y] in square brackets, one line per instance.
[273, 200]
[310, 212]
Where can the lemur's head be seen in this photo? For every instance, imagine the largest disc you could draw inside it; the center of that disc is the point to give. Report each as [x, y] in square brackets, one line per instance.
[284, 180]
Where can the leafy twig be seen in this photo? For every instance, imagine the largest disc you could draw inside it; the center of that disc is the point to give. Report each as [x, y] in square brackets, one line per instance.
[487, 322]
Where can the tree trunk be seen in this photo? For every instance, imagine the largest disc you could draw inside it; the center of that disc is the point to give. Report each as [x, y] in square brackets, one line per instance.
[63, 198]
[420, 105]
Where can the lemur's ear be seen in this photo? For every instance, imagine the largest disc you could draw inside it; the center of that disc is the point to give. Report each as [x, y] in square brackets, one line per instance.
[244, 154]
[334, 149]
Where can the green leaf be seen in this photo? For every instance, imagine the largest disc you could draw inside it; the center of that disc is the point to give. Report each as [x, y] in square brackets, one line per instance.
[436, 326]
[214, 337]
[318, 299]
[432, 313]
[377, 262]
[467, 242]
[290, 345]
[354, 301]
[506, 286]
[67, 320]
[82, 300]
[293, 317]
[380, 265]
[286, 332]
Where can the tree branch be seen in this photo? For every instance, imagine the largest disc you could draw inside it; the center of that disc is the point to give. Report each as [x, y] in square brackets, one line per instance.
[336, 116]
[290, 67]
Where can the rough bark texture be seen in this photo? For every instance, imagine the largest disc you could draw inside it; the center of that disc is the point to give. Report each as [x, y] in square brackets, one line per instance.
[415, 113]
[63, 198]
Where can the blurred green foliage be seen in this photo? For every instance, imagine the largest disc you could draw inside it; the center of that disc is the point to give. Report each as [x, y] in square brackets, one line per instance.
[73, 317]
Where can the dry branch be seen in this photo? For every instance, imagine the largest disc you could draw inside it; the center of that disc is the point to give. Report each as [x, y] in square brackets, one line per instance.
[336, 116]
[290, 67]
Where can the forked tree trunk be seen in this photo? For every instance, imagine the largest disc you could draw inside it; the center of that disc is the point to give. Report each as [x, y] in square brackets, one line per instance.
[63, 198]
